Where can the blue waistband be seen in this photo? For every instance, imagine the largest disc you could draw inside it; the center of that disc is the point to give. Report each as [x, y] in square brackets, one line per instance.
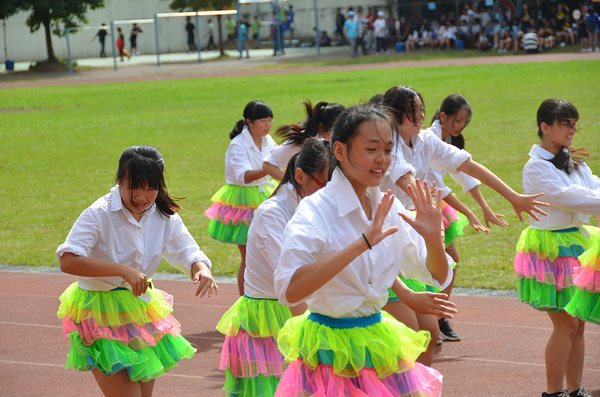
[259, 299]
[345, 322]
[569, 230]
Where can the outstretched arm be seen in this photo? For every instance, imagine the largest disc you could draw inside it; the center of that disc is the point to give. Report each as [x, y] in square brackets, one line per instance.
[455, 203]
[204, 278]
[273, 170]
[488, 214]
[520, 202]
[424, 302]
[308, 279]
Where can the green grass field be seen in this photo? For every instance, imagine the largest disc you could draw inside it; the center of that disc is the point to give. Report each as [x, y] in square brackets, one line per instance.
[61, 144]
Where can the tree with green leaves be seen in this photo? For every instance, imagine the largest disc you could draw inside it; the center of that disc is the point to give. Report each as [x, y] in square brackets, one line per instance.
[55, 16]
[198, 5]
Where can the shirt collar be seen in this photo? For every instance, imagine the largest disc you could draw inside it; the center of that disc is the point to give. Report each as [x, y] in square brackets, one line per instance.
[345, 196]
[249, 141]
[290, 195]
[417, 141]
[538, 152]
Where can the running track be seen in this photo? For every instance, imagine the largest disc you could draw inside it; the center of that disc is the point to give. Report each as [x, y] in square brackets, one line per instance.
[502, 352]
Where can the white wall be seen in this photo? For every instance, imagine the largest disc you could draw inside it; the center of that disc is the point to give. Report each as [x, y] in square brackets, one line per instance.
[22, 45]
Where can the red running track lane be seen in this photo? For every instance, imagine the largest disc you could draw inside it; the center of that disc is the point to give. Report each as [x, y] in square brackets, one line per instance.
[502, 352]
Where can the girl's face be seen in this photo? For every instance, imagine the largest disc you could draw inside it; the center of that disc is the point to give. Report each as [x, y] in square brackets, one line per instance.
[367, 159]
[456, 123]
[410, 128]
[310, 183]
[260, 127]
[559, 134]
[137, 201]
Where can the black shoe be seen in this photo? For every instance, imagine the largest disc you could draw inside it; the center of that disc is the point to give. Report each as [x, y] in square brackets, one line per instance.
[559, 393]
[446, 331]
[581, 392]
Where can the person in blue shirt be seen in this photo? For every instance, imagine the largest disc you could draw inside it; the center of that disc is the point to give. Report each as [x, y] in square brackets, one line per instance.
[351, 32]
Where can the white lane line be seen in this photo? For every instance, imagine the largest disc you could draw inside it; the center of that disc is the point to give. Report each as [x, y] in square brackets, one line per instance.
[31, 295]
[30, 325]
[587, 331]
[500, 362]
[28, 363]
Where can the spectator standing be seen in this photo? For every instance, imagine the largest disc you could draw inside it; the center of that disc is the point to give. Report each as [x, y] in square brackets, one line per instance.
[592, 22]
[340, 20]
[102, 33]
[255, 26]
[583, 34]
[135, 30]
[360, 38]
[291, 13]
[379, 30]
[243, 31]
[351, 33]
[371, 17]
[211, 36]
[230, 25]
[191, 38]
[121, 45]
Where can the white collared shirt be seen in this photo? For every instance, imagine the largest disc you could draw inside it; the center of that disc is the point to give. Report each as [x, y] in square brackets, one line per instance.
[243, 155]
[281, 156]
[397, 169]
[265, 238]
[107, 231]
[434, 175]
[572, 198]
[329, 221]
[428, 151]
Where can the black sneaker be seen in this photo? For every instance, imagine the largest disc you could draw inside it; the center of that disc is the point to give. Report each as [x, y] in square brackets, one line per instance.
[559, 393]
[581, 392]
[446, 331]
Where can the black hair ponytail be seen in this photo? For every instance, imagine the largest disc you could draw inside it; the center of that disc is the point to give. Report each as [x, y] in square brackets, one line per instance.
[551, 111]
[322, 113]
[313, 159]
[253, 111]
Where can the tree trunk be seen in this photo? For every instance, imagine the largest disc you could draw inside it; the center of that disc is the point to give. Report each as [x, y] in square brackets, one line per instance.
[220, 36]
[51, 57]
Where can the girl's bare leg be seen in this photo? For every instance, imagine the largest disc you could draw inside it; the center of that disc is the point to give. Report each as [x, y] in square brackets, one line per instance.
[560, 353]
[240, 275]
[119, 385]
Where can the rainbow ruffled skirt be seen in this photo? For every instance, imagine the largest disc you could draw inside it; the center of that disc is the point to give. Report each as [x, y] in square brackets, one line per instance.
[545, 263]
[232, 211]
[113, 331]
[585, 304]
[359, 357]
[250, 358]
[454, 223]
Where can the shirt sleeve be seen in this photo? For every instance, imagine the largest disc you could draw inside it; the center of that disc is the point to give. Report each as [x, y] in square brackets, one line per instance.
[237, 160]
[540, 177]
[281, 156]
[444, 156]
[270, 231]
[180, 248]
[466, 181]
[399, 167]
[304, 236]
[83, 235]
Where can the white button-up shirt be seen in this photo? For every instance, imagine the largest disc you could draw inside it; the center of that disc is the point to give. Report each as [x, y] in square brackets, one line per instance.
[265, 238]
[428, 151]
[329, 221]
[397, 169]
[281, 156]
[243, 155]
[572, 198]
[434, 175]
[107, 231]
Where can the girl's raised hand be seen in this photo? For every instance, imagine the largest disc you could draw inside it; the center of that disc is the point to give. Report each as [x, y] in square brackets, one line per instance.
[429, 215]
[528, 203]
[375, 233]
[431, 303]
[490, 217]
[136, 279]
[476, 224]
[204, 278]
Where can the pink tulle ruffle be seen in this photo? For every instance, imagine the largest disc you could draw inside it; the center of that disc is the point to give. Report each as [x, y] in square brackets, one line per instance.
[558, 272]
[247, 356]
[299, 380]
[587, 278]
[133, 335]
[226, 214]
[449, 215]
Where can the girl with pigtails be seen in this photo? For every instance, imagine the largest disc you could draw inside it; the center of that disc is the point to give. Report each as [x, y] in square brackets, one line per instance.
[317, 124]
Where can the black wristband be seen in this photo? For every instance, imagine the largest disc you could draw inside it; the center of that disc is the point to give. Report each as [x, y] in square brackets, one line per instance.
[367, 241]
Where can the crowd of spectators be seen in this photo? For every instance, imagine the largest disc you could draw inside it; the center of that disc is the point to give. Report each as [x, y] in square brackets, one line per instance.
[540, 25]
